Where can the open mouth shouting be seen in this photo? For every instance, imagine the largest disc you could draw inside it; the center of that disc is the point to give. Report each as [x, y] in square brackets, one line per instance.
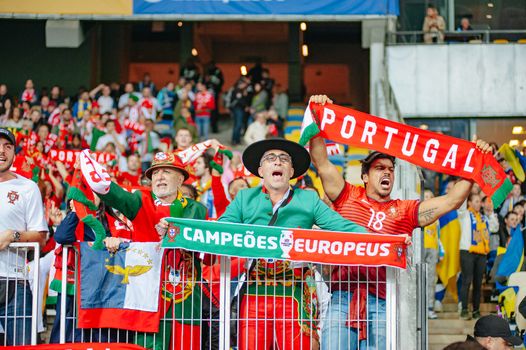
[385, 183]
[277, 175]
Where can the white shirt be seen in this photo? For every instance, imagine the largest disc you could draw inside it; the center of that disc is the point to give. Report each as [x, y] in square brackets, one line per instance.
[105, 139]
[21, 210]
[105, 103]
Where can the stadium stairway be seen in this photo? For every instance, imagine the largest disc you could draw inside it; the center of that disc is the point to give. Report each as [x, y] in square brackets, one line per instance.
[449, 327]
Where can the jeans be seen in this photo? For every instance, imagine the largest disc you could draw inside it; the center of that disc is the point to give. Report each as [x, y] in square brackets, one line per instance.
[472, 267]
[203, 124]
[237, 114]
[17, 326]
[337, 335]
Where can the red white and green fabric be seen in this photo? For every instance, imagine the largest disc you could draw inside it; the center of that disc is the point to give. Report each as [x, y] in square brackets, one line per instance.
[437, 152]
[293, 244]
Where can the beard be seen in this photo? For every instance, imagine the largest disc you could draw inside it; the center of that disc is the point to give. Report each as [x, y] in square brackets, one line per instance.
[6, 165]
[164, 192]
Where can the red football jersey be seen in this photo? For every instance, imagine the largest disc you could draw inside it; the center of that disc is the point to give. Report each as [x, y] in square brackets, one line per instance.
[391, 217]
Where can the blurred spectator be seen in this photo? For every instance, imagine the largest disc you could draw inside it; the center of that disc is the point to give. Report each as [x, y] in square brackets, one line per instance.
[431, 257]
[183, 139]
[29, 94]
[146, 82]
[238, 103]
[13, 116]
[514, 197]
[167, 99]
[123, 99]
[111, 136]
[55, 96]
[203, 185]
[464, 25]
[474, 246]
[434, 26]
[149, 143]
[4, 97]
[275, 123]
[203, 105]
[132, 175]
[190, 71]
[258, 130]
[259, 100]
[152, 106]
[511, 221]
[102, 95]
[81, 105]
[214, 81]
[281, 101]
[255, 74]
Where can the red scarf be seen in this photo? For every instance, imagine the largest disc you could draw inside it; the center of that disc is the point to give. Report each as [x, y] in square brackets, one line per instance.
[440, 153]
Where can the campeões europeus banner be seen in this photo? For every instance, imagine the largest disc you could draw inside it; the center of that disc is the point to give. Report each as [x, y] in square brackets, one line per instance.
[441, 153]
[270, 242]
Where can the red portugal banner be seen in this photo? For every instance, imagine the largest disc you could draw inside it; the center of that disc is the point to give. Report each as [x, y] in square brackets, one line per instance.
[441, 153]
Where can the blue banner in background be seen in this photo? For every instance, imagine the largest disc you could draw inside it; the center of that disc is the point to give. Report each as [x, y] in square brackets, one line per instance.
[266, 7]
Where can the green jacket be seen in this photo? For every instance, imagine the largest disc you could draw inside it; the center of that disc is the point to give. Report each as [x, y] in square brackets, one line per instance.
[305, 209]
[140, 208]
[252, 206]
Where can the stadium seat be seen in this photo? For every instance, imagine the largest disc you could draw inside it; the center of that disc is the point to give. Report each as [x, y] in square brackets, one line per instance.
[500, 41]
[521, 41]
[475, 41]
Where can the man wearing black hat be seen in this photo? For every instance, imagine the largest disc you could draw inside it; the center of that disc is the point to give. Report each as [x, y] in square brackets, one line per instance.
[373, 208]
[21, 220]
[493, 333]
[278, 309]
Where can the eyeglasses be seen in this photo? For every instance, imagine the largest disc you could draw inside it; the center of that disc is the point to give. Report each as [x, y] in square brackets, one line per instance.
[271, 157]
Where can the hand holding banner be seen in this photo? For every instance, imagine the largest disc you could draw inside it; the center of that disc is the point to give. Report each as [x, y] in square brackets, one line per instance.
[270, 242]
[441, 153]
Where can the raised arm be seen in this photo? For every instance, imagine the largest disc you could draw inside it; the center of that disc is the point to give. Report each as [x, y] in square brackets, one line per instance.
[432, 209]
[331, 178]
[125, 202]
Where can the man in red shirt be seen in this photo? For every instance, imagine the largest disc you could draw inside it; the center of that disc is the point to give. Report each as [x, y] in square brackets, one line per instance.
[132, 176]
[356, 316]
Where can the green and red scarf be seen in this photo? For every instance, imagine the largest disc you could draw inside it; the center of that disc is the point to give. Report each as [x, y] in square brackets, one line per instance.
[295, 244]
[440, 153]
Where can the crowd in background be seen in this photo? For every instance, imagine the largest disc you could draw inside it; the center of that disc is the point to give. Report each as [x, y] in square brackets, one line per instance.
[127, 125]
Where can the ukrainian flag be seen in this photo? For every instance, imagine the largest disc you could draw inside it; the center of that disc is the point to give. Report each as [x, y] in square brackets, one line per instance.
[514, 256]
[449, 266]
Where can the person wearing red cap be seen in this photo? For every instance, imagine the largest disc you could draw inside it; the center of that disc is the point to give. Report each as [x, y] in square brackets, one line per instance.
[144, 209]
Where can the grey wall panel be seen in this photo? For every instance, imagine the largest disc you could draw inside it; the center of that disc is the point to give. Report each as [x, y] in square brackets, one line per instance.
[403, 58]
[465, 76]
[498, 88]
[459, 79]
[520, 78]
[432, 65]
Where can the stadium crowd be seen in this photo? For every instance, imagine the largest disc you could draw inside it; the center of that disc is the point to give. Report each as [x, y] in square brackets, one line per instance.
[135, 135]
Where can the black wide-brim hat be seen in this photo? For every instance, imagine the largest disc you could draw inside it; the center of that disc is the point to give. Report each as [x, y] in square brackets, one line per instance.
[254, 152]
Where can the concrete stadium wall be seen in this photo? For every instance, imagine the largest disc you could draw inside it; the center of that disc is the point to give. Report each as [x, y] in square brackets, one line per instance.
[458, 80]
[24, 55]
[101, 57]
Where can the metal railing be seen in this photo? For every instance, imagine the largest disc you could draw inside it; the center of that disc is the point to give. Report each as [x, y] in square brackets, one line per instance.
[471, 36]
[281, 305]
[19, 311]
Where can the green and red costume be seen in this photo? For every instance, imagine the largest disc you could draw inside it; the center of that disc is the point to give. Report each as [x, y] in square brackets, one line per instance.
[181, 293]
